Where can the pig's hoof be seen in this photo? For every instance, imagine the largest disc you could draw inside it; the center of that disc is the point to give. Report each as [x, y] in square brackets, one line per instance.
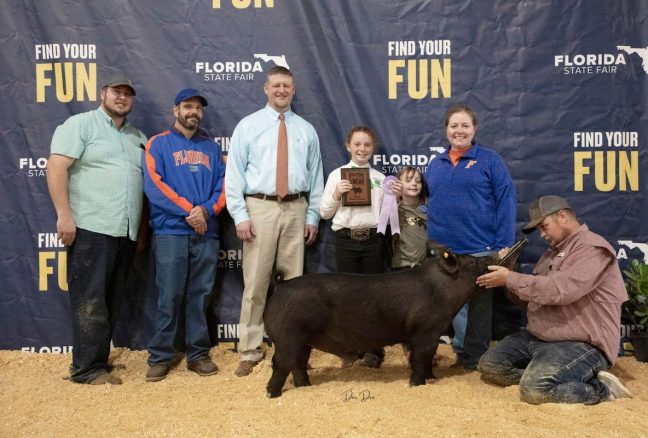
[273, 394]
[430, 376]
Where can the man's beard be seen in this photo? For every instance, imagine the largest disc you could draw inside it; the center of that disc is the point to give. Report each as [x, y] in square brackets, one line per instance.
[191, 123]
[112, 110]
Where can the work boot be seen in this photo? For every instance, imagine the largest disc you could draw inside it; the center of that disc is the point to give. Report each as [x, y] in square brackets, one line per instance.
[245, 368]
[105, 378]
[156, 372]
[465, 363]
[203, 366]
[115, 366]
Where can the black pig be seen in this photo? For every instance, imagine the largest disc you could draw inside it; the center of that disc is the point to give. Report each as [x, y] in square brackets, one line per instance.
[346, 313]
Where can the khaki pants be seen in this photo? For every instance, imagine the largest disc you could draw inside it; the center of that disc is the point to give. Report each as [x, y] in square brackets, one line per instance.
[279, 242]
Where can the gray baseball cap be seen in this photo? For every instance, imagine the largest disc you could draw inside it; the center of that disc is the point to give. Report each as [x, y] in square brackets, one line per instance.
[543, 207]
[117, 79]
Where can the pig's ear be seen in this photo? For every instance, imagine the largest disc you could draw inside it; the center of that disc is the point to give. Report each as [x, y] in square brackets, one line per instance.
[434, 249]
[430, 248]
[449, 263]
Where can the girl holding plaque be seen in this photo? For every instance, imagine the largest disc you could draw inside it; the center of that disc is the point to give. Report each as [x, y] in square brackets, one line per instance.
[352, 197]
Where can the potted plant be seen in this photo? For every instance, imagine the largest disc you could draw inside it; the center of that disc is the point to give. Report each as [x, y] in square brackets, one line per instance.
[636, 308]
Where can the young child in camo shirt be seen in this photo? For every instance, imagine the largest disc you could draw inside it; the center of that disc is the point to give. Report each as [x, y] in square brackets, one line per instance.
[410, 246]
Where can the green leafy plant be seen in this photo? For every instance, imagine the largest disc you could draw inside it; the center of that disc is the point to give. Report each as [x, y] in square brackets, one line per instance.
[636, 282]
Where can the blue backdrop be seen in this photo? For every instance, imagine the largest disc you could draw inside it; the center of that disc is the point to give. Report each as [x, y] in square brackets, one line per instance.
[559, 87]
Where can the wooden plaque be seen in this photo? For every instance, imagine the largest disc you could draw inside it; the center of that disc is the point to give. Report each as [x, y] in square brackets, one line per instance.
[360, 194]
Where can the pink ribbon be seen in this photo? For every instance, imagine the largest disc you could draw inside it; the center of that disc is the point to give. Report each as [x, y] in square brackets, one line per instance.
[389, 208]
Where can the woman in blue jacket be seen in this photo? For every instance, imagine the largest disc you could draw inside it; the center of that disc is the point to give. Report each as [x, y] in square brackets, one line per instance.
[471, 210]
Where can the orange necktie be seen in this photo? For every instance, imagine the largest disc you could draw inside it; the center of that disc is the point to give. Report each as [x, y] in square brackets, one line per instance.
[282, 158]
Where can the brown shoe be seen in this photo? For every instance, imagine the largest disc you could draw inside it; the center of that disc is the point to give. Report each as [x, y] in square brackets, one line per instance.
[156, 372]
[245, 368]
[203, 366]
[461, 363]
[348, 361]
[106, 378]
[371, 360]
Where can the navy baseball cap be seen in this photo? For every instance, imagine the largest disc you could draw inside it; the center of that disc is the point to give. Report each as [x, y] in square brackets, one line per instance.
[188, 93]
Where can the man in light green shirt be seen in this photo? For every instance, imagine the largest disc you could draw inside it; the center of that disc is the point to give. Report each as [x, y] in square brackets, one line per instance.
[94, 175]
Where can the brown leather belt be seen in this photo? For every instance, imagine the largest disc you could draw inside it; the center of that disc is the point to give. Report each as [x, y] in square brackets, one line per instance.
[360, 234]
[287, 198]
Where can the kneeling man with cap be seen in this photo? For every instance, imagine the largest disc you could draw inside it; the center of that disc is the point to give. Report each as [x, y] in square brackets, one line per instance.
[573, 301]
[183, 180]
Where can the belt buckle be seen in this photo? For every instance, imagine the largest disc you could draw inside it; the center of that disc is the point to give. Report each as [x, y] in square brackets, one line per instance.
[360, 234]
[280, 199]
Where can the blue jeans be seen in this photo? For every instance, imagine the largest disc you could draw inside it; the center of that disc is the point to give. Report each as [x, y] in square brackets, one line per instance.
[547, 372]
[185, 268]
[473, 326]
[98, 266]
[459, 323]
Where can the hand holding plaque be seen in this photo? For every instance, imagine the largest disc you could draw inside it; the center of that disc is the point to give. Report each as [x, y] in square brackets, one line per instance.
[360, 194]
